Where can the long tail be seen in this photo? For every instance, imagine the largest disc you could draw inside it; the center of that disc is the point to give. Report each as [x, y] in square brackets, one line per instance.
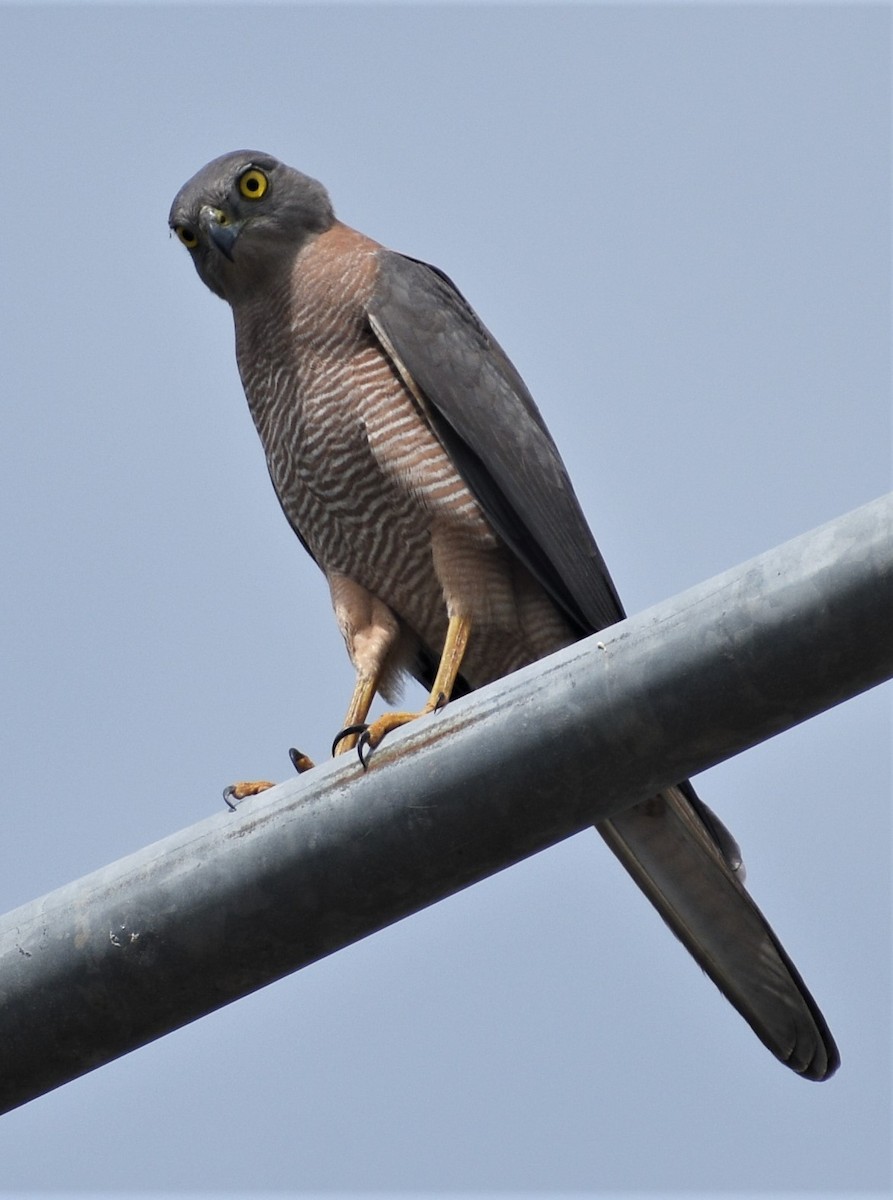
[687, 865]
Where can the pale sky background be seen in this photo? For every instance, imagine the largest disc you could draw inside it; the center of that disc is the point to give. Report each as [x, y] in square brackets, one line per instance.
[677, 222]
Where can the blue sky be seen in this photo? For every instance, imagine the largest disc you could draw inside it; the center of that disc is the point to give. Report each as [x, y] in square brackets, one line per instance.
[676, 220]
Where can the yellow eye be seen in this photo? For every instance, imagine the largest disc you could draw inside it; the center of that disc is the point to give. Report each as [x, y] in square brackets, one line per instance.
[186, 236]
[253, 183]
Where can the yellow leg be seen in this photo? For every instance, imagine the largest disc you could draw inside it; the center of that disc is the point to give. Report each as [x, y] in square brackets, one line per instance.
[454, 648]
[355, 730]
[357, 711]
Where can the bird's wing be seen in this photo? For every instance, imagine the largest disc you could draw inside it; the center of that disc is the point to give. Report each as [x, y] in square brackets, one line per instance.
[676, 850]
[479, 407]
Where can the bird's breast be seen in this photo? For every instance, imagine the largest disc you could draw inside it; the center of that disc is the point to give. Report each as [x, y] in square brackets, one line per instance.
[358, 472]
[362, 477]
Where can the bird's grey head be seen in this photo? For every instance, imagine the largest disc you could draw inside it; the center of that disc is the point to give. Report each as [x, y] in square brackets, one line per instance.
[244, 217]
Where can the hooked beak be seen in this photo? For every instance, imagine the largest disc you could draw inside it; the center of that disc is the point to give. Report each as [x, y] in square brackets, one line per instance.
[220, 230]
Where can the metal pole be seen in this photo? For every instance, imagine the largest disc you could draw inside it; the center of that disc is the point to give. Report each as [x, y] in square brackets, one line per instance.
[189, 924]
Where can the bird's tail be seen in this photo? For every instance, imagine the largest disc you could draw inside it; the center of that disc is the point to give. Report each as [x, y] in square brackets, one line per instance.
[689, 867]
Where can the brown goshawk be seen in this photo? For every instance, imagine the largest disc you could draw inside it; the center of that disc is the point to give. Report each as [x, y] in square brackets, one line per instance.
[412, 463]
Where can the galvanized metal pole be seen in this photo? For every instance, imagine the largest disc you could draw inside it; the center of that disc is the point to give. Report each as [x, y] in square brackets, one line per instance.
[180, 928]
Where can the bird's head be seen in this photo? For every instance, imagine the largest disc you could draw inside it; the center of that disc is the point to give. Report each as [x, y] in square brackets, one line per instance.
[244, 217]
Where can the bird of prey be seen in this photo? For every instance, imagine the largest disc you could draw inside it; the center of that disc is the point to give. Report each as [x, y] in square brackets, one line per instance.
[411, 461]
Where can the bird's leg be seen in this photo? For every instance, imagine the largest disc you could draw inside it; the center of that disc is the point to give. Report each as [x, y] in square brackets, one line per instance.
[370, 631]
[455, 644]
[357, 711]
[454, 647]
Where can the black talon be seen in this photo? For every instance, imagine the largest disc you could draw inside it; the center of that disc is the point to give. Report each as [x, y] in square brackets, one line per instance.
[363, 742]
[228, 793]
[346, 732]
[300, 761]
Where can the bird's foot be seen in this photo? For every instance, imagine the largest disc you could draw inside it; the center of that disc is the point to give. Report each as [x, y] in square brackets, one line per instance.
[368, 738]
[252, 787]
[246, 787]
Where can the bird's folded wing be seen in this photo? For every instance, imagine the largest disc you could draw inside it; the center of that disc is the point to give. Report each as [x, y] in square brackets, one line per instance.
[479, 408]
